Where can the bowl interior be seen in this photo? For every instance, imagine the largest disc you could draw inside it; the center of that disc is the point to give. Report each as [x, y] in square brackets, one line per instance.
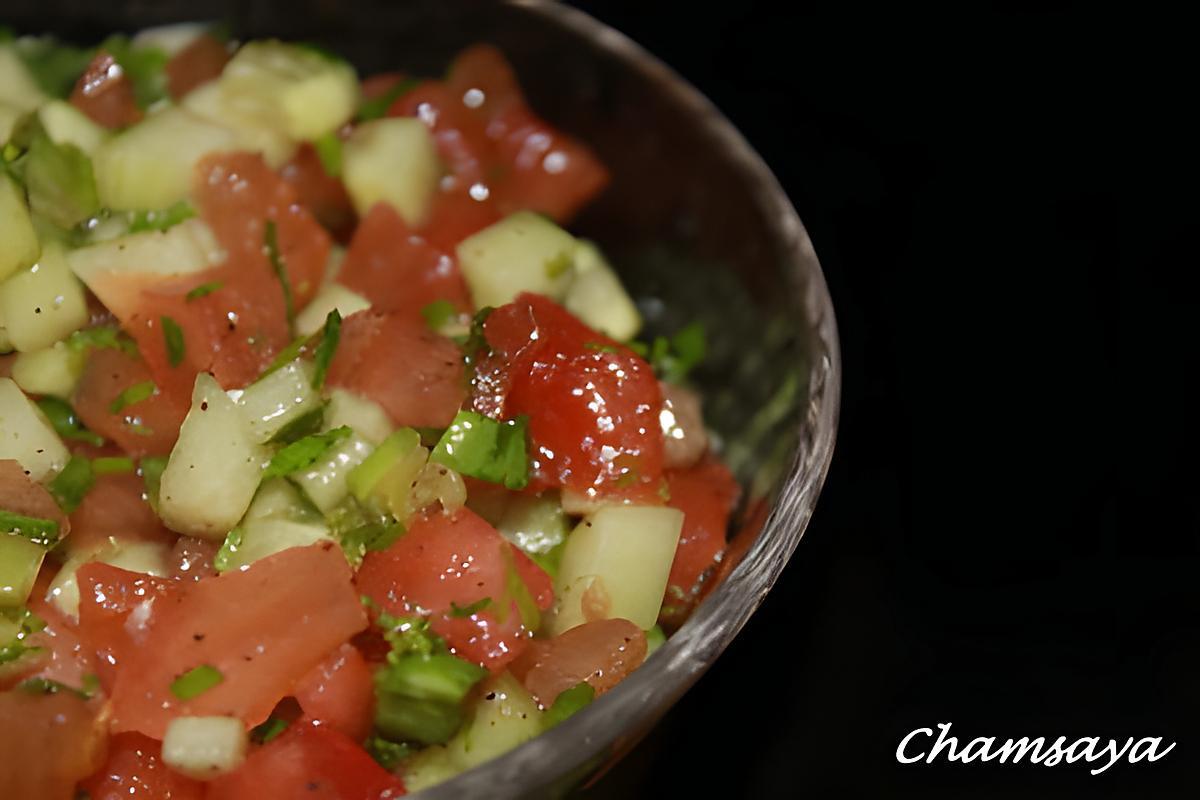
[699, 230]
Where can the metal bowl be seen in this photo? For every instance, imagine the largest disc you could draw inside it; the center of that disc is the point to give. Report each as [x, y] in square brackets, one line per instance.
[699, 228]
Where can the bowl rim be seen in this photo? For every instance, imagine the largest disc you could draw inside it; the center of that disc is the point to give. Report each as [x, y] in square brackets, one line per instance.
[617, 720]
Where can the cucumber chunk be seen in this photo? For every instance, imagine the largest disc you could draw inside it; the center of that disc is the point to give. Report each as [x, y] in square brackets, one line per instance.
[325, 481]
[618, 560]
[278, 399]
[212, 103]
[44, 303]
[20, 560]
[17, 86]
[331, 296]
[205, 747]
[19, 247]
[524, 252]
[54, 370]
[597, 297]
[66, 124]
[366, 417]
[182, 249]
[214, 468]
[392, 161]
[26, 436]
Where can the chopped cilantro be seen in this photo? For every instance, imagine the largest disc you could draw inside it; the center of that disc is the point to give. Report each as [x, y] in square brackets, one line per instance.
[323, 354]
[329, 151]
[484, 448]
[74, 482]
[35, 529]
[271, 244]
[196, 681]
[134, 394]
[203, 290]
[112, 464]
[387, 754]
[65, 423]
[307, 423]
[438, 313]
[223, 560]
[100, 337]
[677, 356]
[303, 452]
[471, 609]
[173, 338]
[569, 702]
[377, 108]
[161, 219]
[268, 730]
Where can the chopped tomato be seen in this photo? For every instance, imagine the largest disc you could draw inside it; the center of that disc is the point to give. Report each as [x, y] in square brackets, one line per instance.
[601, 652]
[453, 561]
[50, 742]
[544, 170]
[592, 403]
[135, 769]
[262, 629]
[20, 494]
[147, 427]
[706, 494]
[311, 762]
[484, 68]
[398, 270]
[456, 214]
[105, 93]
[197, 64]
[339, 693]
[115, 606]
[192, 558]
[319, 192]
[116, 506]
[414, 374]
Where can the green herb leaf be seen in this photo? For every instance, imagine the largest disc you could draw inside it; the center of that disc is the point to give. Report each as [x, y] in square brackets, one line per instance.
[65, 423]
[331, 334]
[476, 341]
[196, 681]
[110, 465]
[268, 730]
[386, 754]
[483, 448]
[134, 394]
[162, 219]
[152, 470]
[35, 529]
[674, 358]
[271, 243]
[89, 684]
[303, 452]
[377, 108]
[569, 702]
[59, 182]
[419, 697]
[54, 65]
[438, 313]
[469, 610]
[223, 560]
[146, 68]
[286, 356]
[100, 337]
[173, 337]
[203, 290]
[307, 423]
[372, 536]
[329, 151]
[70, 486]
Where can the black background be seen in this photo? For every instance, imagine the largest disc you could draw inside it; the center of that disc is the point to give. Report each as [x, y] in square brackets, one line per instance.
[1003, 199]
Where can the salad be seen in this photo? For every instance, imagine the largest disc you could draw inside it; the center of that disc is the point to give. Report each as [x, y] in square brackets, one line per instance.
[330, 461]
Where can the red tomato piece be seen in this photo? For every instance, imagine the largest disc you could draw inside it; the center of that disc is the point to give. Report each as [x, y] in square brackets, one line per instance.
[105, 93]
[458, 559]
[71, 658]
[197, 64]
[544, 170]
[592, 403]
[116, 506]
[458, 131]
[147, 427]
[49, 742]
[601, 652]
[135, 769]
[108, 597]
[414, 374]
[339, 692]
[484, 68]
[20, 494]
[310, 762]
[706, 494]
[398, 270]
[192, 558]
[319, 192]
[262, 628]
[455, 215]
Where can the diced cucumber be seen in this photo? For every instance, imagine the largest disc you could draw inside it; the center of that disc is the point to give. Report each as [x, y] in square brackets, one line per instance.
[524, 252]
[66, 124]
[20, 560]
[278, 399]
[366, 417]
[43, 303]
[302, 93]
[503, 716]
[17, 86]
[386, 477]
[278, 499]
[149, 558]
[205, 747]
[26, 436]
[438, 483]
[597, 297]
[329, 297]
[53, 371]
[392, 161]
[152, 164]
[19, 247]
[170, 39]
[212, 102]
[182, 249]
[535, 523]
[60, 184]
[263, 537]
[616, 562]
[214, 468]
[325, 481]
